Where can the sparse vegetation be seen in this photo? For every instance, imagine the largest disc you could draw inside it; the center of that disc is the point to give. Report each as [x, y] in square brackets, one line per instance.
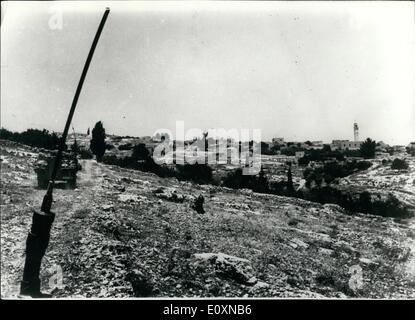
[332, 170]
[399, 164]
[32, 137]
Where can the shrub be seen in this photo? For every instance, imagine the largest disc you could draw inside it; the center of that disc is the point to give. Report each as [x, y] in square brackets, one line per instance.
[390, 207]
[127, 146]
[85, 154]
[109, 146]
[200, 173]
[332, 170]
[399, 164]
[33, 137]
[140, 152]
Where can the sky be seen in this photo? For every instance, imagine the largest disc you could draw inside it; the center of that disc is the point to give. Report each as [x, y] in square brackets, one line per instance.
[302, 71]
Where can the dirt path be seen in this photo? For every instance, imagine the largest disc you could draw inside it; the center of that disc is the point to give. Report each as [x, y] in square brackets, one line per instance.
[16, 221]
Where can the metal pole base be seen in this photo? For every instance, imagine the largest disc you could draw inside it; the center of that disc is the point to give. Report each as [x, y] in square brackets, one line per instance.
[36, 244]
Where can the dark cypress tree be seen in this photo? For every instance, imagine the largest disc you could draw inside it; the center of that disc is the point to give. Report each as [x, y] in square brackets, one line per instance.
[368, 149]
[290, 186]
[98, 141]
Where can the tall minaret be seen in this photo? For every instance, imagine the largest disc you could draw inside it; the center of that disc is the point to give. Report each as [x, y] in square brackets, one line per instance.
[356, 132]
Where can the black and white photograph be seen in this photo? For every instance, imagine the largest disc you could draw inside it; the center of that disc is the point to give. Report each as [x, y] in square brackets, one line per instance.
[207, 150]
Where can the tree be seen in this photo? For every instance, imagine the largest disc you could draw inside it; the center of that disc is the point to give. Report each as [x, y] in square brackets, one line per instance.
[261, 184]
[140, 152]
[326, 148]
[368, 148]
[399, 164]
[265, 148]
[75, 147]
[98, 141]
[290, 186]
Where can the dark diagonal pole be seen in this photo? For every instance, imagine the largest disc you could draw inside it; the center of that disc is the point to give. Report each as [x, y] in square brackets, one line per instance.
[38, 238]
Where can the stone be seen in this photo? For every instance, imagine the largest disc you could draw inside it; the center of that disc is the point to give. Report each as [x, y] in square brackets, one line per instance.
[295, 243]
[272, 268]
[235, 268]
[260, 285]
[325, 251]
[107, 207]
[366, 261]
[131, 198]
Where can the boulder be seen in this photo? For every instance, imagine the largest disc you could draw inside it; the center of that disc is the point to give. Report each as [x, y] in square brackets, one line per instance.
[297, 243]
[169, 194]
[131, 198]
[231, 267]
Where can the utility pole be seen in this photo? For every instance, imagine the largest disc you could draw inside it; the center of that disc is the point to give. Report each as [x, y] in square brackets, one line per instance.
[38, 237]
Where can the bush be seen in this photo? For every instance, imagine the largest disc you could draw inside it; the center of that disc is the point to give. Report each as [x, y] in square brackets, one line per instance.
[321, 155]
[399, 164]
[200, 173]
[390, 207]
[127, 146]
[137, 162]
[258, 183]
[33, 137]
[85, 154]
[140, 152]
[109, 146]
[410, 151]
[332, 170]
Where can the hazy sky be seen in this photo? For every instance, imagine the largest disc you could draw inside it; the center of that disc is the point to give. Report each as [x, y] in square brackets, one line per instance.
[303, 71]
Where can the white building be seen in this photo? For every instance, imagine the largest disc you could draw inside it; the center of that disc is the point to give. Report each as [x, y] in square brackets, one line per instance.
[345, 145]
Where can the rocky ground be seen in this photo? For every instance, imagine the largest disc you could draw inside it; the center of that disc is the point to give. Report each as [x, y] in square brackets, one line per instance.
[125, 233]
[381, 179]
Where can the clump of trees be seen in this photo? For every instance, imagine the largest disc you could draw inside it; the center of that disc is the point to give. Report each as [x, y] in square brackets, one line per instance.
[410, 151]
[363, 202]
[33, 137]
[98, 145]
[127, 146]
[199, 173]
[368, 149]
[142, 160]
[140, 152]
[237, 180]
[320, 155]
[399, 164]
[75, 147]
[332, 170]
[259, 183]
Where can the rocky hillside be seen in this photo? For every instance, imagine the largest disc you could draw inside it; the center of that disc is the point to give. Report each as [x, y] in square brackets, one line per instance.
[381, 179]
[124, 233]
